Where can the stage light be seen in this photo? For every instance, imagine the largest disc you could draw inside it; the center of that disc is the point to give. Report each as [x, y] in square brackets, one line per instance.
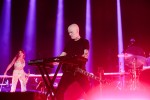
[89, 33]
[58, 44]
[29, 43]
[120, 38]
[5, 34]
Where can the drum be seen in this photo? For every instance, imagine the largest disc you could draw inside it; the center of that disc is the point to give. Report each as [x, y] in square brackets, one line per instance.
[145, 76]
[145, 73]
[148, 61]
[134, 57]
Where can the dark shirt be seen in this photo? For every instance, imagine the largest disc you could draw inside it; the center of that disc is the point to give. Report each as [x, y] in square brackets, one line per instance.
[135, 50]
[76, 49]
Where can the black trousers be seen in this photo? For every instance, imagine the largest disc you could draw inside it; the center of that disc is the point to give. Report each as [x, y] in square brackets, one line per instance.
[67, 79]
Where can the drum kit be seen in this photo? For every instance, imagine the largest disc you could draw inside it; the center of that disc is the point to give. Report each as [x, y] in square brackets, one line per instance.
[135, 63]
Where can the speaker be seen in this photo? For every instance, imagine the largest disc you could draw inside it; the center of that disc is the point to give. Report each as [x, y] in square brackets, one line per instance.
[22, 96]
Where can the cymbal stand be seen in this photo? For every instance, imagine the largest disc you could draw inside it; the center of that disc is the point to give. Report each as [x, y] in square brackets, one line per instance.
[134, 76]
[101, 73]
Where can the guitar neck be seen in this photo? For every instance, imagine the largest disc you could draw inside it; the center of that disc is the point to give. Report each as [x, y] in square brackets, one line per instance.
[88, 74]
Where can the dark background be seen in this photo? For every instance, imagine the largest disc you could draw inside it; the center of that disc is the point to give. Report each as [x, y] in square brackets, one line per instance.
[135, 24]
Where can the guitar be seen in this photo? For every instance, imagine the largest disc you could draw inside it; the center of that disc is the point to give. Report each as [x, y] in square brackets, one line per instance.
[92, 76]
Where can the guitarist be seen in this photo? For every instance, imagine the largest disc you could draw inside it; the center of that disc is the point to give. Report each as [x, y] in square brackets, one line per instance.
[77, 46]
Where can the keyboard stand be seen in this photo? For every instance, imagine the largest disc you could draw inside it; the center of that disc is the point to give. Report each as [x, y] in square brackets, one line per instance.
[48, 81]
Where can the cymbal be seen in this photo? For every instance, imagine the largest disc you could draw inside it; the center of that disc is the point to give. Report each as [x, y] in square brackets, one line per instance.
[134, 60]
[145, 68]
[148, 61]
[125, 55]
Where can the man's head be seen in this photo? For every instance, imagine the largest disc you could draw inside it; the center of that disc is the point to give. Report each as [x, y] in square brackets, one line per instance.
[73, 31]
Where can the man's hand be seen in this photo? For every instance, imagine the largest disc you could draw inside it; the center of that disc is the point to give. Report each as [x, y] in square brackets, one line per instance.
[55, 63]
[86, 53]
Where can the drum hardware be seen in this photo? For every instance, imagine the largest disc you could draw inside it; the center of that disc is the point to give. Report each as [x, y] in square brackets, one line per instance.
[134, 75]
[135, 64]
[101, 75]
[134, 60]
[120, 81]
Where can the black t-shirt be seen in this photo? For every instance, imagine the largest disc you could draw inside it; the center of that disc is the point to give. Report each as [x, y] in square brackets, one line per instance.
[75, 49]
[135, 50]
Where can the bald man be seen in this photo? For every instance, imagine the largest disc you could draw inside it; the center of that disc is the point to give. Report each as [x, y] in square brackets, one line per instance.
[77, 46]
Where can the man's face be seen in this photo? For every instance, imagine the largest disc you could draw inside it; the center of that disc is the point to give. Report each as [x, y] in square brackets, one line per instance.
[73, 32]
